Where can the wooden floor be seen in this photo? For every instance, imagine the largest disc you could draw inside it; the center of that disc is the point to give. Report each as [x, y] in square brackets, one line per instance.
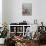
[34, 44]
[42, 45]
[1, 45]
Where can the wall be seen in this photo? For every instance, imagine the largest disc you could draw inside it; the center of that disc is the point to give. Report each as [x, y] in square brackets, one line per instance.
[39, 10]
[4, 11]
[13, 9]
[16, 13]
[0, 13]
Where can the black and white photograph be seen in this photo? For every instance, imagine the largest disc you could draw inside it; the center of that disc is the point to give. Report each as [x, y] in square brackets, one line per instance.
[27, 9]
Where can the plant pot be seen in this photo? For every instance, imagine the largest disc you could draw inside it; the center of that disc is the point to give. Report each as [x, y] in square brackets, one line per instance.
[2, 40]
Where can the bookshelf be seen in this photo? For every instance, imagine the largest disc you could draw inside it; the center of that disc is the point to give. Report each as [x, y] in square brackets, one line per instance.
[18, 29]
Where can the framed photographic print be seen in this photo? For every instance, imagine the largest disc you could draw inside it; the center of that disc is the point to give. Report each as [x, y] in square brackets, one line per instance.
[27, 9]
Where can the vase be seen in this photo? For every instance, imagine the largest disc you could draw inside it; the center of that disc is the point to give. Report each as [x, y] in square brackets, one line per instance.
[2, 40]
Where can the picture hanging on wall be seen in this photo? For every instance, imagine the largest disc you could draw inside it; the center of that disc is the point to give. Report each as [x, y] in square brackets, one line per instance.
[27, 9]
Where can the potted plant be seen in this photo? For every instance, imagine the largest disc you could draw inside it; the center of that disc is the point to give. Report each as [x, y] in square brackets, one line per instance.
[3, 34]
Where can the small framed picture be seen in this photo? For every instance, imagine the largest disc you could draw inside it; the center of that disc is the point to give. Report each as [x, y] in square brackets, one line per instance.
[27, 9]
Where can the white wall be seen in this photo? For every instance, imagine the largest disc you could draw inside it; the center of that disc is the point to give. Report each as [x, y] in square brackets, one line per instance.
[13, 11]
[39, 10]
[0, 13]
[4, 11]
[17, 11]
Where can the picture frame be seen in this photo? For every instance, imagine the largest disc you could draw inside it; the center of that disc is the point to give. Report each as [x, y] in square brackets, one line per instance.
[27, 9]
